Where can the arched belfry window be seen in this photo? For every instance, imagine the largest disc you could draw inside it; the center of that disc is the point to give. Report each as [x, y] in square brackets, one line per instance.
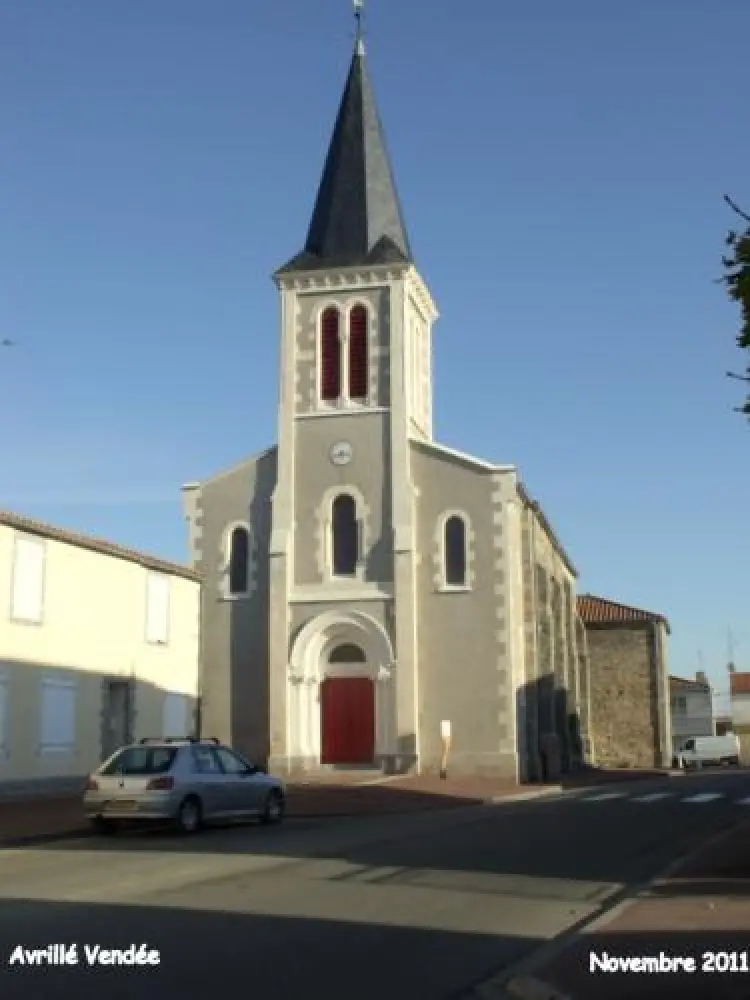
[454, 551]
[330, 355]
[358, 361]
[347, 652]
[239, 561]
[344, 535]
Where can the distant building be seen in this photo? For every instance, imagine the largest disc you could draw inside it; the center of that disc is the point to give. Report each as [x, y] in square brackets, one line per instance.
[630, 722]
[98, 645]
[739, 691]
[691, 703]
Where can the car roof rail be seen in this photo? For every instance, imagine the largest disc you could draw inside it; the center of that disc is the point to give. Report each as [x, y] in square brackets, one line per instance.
[180, 739]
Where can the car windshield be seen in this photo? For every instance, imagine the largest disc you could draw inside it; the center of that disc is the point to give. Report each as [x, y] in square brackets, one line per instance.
[141, 760]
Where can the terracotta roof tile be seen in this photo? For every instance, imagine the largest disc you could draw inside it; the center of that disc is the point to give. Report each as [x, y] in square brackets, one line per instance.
[739, 683]
[99, 545]
[600, 611]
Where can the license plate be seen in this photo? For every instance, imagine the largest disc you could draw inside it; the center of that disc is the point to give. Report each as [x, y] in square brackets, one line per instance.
[123, 805]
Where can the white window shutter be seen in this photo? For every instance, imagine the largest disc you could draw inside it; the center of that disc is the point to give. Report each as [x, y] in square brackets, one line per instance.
[28, 580]
[157, 608]
[58, 715]
[175, 716]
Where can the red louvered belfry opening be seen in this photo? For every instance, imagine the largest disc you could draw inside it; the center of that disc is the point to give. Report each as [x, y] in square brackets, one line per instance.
[358, 353]
[330, 356]
[348, 720]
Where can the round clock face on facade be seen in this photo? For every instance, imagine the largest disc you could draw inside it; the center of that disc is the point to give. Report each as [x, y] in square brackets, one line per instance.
[341, 453]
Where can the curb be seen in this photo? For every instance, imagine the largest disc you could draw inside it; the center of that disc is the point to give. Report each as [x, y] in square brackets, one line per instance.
[82, 833]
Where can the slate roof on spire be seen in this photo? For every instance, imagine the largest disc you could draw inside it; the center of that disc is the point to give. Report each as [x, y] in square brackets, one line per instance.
[357, 217]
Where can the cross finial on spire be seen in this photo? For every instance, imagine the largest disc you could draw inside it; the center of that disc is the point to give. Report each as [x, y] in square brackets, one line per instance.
[359, 11]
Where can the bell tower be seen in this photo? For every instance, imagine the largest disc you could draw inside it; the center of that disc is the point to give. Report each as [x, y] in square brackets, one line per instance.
[355, 387]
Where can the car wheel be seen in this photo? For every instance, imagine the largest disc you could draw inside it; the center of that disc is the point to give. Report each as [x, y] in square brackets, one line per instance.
[273, 809]
[103, 826]
[189, 815]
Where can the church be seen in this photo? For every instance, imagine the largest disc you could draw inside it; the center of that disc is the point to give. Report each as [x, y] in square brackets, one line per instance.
[368, 591]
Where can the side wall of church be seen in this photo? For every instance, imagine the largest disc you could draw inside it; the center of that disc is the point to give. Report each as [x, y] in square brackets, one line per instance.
[234, 634]
[464, 673]
[556, 678]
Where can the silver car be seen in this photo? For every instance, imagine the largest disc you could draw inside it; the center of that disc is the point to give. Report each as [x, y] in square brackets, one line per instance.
[185, 782]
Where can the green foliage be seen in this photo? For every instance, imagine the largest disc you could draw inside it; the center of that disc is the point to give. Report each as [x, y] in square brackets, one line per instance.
[737, 281]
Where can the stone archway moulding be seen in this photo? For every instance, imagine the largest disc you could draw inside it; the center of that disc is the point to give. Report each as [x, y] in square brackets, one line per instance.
[332, 628]
[309, 667]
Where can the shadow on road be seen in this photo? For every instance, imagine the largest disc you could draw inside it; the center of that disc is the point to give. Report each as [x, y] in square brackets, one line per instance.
[274, 957]
[284, 957]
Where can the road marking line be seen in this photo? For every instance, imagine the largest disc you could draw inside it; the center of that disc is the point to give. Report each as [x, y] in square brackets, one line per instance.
[743, 802]
[604, 796]
[703, 797]
[652, 797]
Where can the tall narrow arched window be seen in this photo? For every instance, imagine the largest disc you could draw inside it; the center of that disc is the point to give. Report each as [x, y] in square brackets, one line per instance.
[239, 561]
[454, 551]
[344, 536]
[330, 355]
[358, 373]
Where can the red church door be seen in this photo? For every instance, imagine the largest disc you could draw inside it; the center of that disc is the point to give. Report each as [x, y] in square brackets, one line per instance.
[348, 720]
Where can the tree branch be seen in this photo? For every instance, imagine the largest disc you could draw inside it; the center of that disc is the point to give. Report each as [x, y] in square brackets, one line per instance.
[736, 208]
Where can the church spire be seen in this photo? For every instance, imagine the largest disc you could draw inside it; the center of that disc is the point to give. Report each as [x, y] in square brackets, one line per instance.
[357, 218]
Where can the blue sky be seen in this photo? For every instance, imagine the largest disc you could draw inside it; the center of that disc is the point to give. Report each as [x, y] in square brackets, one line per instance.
[562, 168]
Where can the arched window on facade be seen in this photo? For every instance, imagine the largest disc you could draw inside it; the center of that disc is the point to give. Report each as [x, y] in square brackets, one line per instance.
[344, 535]
[454, 551]
[347, 653]
[358, 361]
[330, 355]
[239, 560]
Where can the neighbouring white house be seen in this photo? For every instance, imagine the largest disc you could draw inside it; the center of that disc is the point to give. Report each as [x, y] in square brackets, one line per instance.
[692, 706]
[98, 645]
[739, 689]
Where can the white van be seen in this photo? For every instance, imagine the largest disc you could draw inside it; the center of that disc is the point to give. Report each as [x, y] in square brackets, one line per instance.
[705, 751]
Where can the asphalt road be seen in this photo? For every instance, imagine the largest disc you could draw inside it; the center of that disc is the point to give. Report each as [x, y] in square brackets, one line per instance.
[417, 906]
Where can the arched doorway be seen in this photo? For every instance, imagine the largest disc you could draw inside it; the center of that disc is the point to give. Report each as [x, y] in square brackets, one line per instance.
[347, 708]
[341, 694]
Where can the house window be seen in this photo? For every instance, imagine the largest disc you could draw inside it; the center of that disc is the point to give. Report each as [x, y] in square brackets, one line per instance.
[27, 599]
[345, 535]
[454, 551]
[679, 705]
[157, 609]
[175, 716]
[330, 356]
[58, 711]
[358, 366]
[347, 653]
[239, 561]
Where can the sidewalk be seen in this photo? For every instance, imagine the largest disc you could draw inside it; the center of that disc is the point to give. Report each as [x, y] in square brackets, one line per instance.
[702, 906]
